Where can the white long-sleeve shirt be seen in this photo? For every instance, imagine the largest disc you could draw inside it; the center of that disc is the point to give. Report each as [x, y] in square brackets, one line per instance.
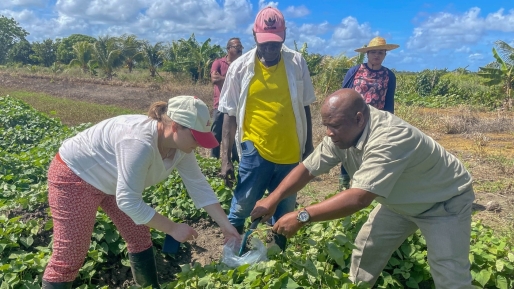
[119, 156]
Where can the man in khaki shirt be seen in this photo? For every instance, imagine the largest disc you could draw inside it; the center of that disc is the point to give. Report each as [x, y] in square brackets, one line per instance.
[416, 181]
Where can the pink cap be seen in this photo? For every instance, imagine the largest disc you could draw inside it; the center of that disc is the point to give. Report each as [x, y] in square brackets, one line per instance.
[269, 26]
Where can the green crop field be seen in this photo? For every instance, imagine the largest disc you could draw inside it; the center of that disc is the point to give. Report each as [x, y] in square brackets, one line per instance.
[317, 257]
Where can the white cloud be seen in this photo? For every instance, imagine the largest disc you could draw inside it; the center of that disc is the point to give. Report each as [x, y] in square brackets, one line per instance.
[411, 59]
[464, 48]
[163, 20]
[314, 29]
[500, 22]
[175, 16]
[476, 56]
[23, 3]
[349, 35]
[99, 11]
[296, 11]
[446, 30]
[40, 29]
[264, 4]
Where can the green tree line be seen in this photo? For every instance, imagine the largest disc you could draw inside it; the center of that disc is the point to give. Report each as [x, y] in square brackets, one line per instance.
[105, 55]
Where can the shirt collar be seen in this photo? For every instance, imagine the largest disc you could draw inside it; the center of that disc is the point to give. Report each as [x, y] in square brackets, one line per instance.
[364, 137]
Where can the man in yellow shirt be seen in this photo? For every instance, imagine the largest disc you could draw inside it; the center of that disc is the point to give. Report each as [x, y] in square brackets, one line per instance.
[266, 98]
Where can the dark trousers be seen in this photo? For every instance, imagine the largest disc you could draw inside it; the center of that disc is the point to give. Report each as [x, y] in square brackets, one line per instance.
[343, 171]
[217, 128]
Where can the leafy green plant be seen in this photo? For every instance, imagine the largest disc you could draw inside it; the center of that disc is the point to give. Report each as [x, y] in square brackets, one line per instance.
[317, 257]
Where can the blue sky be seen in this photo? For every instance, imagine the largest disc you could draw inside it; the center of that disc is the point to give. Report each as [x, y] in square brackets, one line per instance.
[431, 34]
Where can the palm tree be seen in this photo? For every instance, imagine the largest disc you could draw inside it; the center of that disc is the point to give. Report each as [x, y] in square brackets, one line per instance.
[153, 56]
[107, 55]
[200, 56]
[83, 51]
[172, 56]
[502, 70]
[130, 51]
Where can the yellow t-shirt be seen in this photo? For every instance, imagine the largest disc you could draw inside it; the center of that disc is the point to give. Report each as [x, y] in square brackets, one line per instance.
[269, 120]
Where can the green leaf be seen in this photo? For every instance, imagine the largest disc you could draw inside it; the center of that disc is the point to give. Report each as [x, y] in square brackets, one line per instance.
[411, 283]
[341, 240]
[499, 265]
[483, 277]
[310, 268]
[27, 241]
[335, 253]
[111, 236]
[204, 280]
[317, 228]
[511, 257]
[501, 282]
[394, 262]
[49, 225]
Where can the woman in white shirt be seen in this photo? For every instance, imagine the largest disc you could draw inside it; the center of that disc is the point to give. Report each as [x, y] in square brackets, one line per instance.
[109, 165]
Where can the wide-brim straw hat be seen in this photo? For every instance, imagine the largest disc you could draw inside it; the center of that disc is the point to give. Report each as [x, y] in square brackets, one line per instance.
[377, 43]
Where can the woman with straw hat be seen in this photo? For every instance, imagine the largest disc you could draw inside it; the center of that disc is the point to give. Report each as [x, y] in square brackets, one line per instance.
[376, 83]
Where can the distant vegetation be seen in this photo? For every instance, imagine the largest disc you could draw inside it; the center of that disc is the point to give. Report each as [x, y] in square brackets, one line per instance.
[109, 57]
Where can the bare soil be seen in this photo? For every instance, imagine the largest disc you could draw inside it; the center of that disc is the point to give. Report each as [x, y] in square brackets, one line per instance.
[486, 154]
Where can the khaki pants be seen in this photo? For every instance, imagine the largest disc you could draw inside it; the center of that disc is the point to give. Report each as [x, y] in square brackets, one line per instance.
[446, 228]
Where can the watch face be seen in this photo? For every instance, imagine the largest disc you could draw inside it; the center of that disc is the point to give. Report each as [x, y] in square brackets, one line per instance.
[303, 216]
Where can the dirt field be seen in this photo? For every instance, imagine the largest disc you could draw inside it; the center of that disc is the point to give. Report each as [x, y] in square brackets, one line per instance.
[486, 146]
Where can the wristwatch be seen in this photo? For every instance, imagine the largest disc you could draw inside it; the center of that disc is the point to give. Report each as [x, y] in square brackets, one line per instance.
[303, 216]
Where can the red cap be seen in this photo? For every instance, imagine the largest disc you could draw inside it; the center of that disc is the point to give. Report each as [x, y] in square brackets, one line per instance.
[205, 139]
[269, 26]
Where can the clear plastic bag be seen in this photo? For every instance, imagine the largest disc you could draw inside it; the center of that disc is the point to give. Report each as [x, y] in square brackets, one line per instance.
[257, 253]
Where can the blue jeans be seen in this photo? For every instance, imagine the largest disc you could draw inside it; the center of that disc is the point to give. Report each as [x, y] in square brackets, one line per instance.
[256, 175]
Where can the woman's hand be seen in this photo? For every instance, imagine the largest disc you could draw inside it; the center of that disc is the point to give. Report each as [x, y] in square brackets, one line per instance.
[230, 232]
[180, 232]
[183, 233]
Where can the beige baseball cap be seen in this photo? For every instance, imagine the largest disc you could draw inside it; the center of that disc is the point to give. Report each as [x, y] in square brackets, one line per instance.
[191, 112]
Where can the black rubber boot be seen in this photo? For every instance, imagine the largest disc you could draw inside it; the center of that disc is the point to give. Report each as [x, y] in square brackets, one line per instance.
[280, 241]
[56, 285]
[144, 269]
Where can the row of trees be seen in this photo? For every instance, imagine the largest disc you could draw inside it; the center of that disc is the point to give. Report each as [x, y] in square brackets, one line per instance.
[188, 56]
[107, 53]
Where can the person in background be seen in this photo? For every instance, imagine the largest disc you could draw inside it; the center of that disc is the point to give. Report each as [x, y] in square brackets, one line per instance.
[417, 183]
[218, 71]
[376, 84]
[266, 98]
[109, 165]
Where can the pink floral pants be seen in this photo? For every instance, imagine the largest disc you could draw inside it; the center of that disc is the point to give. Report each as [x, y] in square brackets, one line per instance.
[74, 204]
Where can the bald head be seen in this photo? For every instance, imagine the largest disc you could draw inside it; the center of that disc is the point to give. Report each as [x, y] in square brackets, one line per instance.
[345, 114]
[344, 102]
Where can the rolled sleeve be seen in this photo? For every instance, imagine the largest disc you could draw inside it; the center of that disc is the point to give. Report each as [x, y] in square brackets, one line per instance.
[229, 95]
[325, 157]
[196, 184]
[133, 159]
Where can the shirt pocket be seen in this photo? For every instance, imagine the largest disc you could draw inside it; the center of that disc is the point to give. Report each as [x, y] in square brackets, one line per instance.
[247, 148]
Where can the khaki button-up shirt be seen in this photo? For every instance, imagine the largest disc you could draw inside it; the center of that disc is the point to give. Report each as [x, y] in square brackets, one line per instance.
[408, 170]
